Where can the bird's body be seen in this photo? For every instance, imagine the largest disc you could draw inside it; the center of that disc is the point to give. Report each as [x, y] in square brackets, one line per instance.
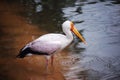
[52, 43]
[47, 44]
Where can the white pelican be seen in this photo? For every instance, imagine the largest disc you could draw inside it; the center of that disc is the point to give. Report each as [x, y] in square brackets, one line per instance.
[52, 43]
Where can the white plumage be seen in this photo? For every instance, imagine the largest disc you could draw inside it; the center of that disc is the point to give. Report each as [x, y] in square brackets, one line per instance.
[49, 44]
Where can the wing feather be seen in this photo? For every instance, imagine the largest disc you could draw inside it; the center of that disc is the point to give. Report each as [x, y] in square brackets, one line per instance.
[45, 47]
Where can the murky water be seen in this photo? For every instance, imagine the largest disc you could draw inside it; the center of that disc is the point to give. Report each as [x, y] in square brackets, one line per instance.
[98, 20]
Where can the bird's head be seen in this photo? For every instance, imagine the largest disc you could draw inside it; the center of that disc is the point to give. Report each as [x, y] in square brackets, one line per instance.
[68, 25]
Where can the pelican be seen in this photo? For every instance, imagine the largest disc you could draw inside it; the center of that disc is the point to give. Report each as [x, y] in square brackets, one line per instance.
[52, 43]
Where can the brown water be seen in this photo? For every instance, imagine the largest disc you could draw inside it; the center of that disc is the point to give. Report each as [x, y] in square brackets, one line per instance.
[16, 31]
[98, 20]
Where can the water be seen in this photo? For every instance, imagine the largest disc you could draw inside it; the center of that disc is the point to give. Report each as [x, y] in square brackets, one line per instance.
[98, 21]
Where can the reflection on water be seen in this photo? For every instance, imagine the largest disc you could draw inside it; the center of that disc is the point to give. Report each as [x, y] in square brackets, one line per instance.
[98, 20]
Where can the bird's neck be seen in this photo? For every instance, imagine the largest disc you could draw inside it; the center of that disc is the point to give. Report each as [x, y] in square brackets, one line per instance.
[69, 35]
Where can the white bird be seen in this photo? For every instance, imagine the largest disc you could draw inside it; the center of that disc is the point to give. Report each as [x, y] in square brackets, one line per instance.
[52, 43]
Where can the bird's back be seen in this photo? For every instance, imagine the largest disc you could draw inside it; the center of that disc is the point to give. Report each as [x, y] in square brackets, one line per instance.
[52, 37]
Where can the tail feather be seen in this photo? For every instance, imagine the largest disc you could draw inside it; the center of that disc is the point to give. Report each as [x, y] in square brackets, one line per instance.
[28, 49]
[21, 55]
[23, 52]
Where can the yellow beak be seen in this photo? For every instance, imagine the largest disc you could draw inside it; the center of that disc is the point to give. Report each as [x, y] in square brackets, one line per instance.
[75, 31]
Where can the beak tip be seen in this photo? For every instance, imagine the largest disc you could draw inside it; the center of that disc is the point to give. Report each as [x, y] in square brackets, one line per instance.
[85, 42]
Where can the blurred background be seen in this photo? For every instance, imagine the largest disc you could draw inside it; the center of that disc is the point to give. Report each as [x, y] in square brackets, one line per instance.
[22, 21]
